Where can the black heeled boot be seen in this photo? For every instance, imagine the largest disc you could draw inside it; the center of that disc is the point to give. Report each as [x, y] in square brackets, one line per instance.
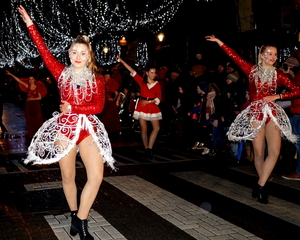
[260, 193]
[150, 154]
[80, 226]
[74, 213]
[263, 195]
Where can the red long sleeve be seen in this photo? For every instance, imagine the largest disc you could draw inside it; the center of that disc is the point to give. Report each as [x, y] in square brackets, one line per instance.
[255, 94]
[54, 66]
[92, 106]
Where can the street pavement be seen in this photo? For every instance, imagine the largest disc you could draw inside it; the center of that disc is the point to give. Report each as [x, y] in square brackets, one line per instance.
[181, 195]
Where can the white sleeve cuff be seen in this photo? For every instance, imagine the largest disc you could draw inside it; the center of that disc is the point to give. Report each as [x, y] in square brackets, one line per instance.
[132, 74]
[157, 101]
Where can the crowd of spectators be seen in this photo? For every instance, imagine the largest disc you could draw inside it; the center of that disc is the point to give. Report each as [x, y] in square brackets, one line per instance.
[205, 99]
[198, 104]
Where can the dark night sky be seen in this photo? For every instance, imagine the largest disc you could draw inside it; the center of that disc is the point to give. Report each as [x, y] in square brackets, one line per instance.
[198, 19]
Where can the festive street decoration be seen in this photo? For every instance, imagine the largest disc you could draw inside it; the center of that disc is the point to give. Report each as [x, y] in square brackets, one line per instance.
[59, 21]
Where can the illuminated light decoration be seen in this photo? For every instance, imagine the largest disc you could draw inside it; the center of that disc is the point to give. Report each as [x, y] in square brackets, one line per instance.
[156, 19]
[60, 21]
[109, 57]
[123, 41]
[285, 52]
[142, 54]
[160, 37]
[105, 49]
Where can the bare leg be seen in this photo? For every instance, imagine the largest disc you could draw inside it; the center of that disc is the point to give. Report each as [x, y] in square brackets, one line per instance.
[264, 167]
[153, 135]
[259, 150]
[94, 166]
[144, 133]
[273, 137]
[68, 173]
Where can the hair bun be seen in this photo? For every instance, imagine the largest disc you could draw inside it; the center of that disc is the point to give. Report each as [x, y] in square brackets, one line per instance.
[82, 38]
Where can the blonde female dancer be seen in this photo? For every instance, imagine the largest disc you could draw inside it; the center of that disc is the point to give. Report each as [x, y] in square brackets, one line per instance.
[76, 128]
[262, 121]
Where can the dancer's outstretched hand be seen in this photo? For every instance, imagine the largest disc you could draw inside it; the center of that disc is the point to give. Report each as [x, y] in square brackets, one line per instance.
[119, 59]
[8, 73]
[24, 15]
[212, 38]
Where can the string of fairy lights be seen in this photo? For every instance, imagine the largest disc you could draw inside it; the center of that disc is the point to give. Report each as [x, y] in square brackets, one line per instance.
[105, 22]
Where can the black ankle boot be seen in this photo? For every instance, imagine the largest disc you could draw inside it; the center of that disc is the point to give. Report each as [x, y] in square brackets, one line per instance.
[150, 154]
[74, 213]
[262, 195]
[80, 226]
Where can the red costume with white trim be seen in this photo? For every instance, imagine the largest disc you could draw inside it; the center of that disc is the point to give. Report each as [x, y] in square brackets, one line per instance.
[110, 115]
[262, 83]
[33, 111]
[149, 111]
[61, 133]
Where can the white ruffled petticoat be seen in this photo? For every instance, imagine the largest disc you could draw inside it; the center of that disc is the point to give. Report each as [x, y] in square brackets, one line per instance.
[258, 112]
[57, 136]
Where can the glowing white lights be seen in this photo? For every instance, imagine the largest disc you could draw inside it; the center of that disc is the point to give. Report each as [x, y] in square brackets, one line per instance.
[105, 49]
[60, 21]
[160, 37]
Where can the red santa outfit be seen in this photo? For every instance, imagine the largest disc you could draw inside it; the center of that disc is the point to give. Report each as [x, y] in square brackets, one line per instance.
[148, 91]
[85, 93]
[262, 83]
[33, 111]
[110, 115]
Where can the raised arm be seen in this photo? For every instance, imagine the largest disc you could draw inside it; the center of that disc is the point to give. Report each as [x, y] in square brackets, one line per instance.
[130, 69]
[16, 78]
[212, 38]
[53, 65]
[24, 15]
[243, 65]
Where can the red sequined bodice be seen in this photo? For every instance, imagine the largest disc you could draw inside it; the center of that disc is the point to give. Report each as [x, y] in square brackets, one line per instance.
[95, 104]
[257, 88]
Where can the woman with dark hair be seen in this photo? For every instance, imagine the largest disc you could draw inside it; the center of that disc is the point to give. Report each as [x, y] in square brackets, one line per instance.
[213, 116]
[76, 128]
[35, 90]
[201, 134]
[263, 120]
[147, 108]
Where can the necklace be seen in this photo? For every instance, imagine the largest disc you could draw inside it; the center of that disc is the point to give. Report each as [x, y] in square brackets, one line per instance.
[80, 78]
[265, 75]
[265, 79]
[78, 86]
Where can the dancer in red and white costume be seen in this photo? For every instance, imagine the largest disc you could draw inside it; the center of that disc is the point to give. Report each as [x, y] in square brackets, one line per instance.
[263, 120]
[76, 128]
[147, 108]
[35, 90]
